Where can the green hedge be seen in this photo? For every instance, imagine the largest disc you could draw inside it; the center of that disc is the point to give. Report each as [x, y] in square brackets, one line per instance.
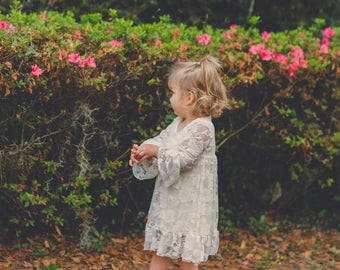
[275, 15]
[76, 95]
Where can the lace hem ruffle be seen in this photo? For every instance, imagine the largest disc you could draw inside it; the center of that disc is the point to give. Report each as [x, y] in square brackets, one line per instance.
[180, 245]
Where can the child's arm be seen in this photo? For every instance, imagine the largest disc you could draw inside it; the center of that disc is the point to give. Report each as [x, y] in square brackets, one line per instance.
[172, 160]
[151, 149]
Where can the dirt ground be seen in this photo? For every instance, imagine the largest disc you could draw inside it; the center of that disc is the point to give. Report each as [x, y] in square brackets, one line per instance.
[297, 249]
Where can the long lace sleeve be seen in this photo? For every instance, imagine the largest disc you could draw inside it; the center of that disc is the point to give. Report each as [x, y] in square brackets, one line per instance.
[148, 169]
[172, 159]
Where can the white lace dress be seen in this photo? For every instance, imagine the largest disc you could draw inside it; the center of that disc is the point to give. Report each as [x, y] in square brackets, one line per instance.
[182, 220]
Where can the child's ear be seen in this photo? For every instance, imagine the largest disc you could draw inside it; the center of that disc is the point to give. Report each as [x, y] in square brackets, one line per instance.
[190, 98]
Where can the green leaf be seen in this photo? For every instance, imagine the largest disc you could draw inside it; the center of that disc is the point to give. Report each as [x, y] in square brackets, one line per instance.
[333, 250]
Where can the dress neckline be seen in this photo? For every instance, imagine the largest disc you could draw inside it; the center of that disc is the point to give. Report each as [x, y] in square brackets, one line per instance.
[189, 124]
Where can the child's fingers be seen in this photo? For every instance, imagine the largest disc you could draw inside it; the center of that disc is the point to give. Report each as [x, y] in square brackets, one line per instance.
[143, 155]
[142, 159]
[142, 150]
[140, 153]
[135, 147]
[134, 159]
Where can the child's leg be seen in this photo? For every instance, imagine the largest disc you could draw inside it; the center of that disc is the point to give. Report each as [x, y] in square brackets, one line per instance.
[188, 266]
[159, 263]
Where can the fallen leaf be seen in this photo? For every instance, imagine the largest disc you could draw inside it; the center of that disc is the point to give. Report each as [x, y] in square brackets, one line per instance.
[119, 240]
[76, 259]
[243, 245]
[46, 244]
[46, 262]
[27, 265]
[307, 254]
[112, 251]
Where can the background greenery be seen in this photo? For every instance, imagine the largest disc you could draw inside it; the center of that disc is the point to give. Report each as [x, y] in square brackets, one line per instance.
[275, 15]
[65, 135]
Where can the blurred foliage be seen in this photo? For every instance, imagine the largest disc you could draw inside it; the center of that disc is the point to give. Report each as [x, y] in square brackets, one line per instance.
[275, 15]
[75, 95]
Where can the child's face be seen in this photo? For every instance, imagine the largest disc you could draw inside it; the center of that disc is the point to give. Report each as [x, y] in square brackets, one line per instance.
[176, 99]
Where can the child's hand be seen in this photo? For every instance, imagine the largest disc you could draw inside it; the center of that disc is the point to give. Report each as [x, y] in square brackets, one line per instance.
[144, 152]
[133, 158]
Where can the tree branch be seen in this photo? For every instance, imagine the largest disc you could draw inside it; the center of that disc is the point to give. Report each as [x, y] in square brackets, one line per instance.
[251, 8]
[251, 121]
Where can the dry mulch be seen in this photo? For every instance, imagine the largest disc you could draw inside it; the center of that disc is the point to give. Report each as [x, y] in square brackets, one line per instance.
[297, 249]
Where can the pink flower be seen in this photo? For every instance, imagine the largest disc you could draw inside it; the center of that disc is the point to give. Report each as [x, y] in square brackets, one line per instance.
[228, 35]
[158, 43]
[109, 30]
[42, 16]
[78, 36]
[297, 60]
[245, 263]
[176, 33]
[116, 44]
[328, 32]
[183, 47]
[36, 70]
[73, 58]
[233, 26]
[82, 63]
[3, 25]
[280, 58]
[221, 50]
[266, 55]
[324, 48]
[325, 41]
[284, 247]
[11, 27]
[292, 68]
[318, 41]
[265, 36]
[303, 63]
[297, 52]
[204, 39]
[61, 55]
[90, 62]
[254, 49]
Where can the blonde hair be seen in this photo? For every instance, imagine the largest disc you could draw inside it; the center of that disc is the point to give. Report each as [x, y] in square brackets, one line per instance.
[203, 80]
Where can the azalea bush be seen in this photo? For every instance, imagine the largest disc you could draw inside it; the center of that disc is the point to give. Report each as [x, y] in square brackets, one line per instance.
[75, 95]
[295, 114]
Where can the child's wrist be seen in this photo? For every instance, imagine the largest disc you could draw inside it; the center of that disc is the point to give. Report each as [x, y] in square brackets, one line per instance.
[156, 151]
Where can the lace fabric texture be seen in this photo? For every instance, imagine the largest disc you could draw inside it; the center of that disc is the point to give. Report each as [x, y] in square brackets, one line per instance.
[146, 170]
[183, 215]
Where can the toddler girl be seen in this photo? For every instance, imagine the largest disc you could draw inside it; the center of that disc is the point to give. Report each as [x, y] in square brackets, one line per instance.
[182, 220]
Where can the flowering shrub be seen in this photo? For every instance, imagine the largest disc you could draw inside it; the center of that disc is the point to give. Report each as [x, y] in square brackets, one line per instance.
[204, 39]
[76, 95]
[36, 70]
